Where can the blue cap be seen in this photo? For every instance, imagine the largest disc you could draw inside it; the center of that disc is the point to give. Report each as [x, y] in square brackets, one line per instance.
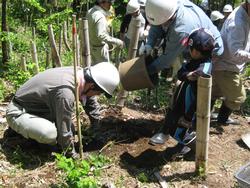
[202, 40]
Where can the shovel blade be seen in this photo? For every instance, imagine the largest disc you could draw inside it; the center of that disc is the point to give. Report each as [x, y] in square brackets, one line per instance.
[246, 139]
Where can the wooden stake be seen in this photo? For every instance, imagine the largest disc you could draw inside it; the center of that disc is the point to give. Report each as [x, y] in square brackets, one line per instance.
[34, 57]
[74, 34]
[65, 36]
[203, 123]
[23, 63]
[55, 54]
[60, 41]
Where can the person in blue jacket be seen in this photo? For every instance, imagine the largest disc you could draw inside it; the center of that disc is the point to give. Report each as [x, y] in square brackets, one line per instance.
[180, 121]
[174, 20]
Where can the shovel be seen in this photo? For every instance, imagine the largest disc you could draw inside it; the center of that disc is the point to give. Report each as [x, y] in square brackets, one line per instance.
[246, 139]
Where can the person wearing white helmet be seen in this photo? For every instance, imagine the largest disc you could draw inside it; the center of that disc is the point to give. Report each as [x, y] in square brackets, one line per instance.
[227, 9]
[217, 18]
[42, 108]
[170, 19]
[229, 67]
[174, 20]
[134, 13]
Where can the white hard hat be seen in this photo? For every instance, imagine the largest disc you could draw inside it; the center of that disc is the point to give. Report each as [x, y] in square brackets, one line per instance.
[159, 11]
[106, 76]
[228, 8]
[216, 15]
[142, 3]
[132, 7]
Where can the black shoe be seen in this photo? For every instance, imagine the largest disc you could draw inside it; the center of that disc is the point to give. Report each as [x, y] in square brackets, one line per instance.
[158, 138]
[177, 152]
[214, 116]
[223, 116]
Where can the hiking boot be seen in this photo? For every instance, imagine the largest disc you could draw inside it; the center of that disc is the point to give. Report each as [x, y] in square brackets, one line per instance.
[223, 116]
[230, 121]
[214, 116]
[158, 139]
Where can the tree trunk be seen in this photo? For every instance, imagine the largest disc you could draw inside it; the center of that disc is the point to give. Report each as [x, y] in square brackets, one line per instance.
[4, 30]
[65, 36]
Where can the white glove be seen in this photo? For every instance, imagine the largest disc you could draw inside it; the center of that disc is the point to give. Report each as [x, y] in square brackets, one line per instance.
[145, 49]
[120, 44]
[145, 33]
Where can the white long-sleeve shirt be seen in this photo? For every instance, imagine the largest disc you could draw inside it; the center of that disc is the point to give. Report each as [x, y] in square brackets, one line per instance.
[236, 40]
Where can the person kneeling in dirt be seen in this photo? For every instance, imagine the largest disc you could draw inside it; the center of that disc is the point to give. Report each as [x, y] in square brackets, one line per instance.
[42, 108]
[180, 119]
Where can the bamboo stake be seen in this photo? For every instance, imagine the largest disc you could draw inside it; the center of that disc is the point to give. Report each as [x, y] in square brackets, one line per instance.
[133, 45]
[55, 54]
[33, 33]
[23, 63]
[85, 44]
[74, 34]
[34, 57]
[60, 41]
[81, 41]
[203, 122]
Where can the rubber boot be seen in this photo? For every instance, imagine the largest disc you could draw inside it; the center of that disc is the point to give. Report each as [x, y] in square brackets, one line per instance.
[223, 116]
[161, 137]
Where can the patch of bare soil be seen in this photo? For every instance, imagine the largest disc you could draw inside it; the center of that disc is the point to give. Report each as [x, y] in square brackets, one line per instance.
[123, 137]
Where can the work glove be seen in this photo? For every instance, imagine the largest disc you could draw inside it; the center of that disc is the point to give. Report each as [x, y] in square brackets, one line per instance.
[145, 49]
[119, 44]
[145, 33]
